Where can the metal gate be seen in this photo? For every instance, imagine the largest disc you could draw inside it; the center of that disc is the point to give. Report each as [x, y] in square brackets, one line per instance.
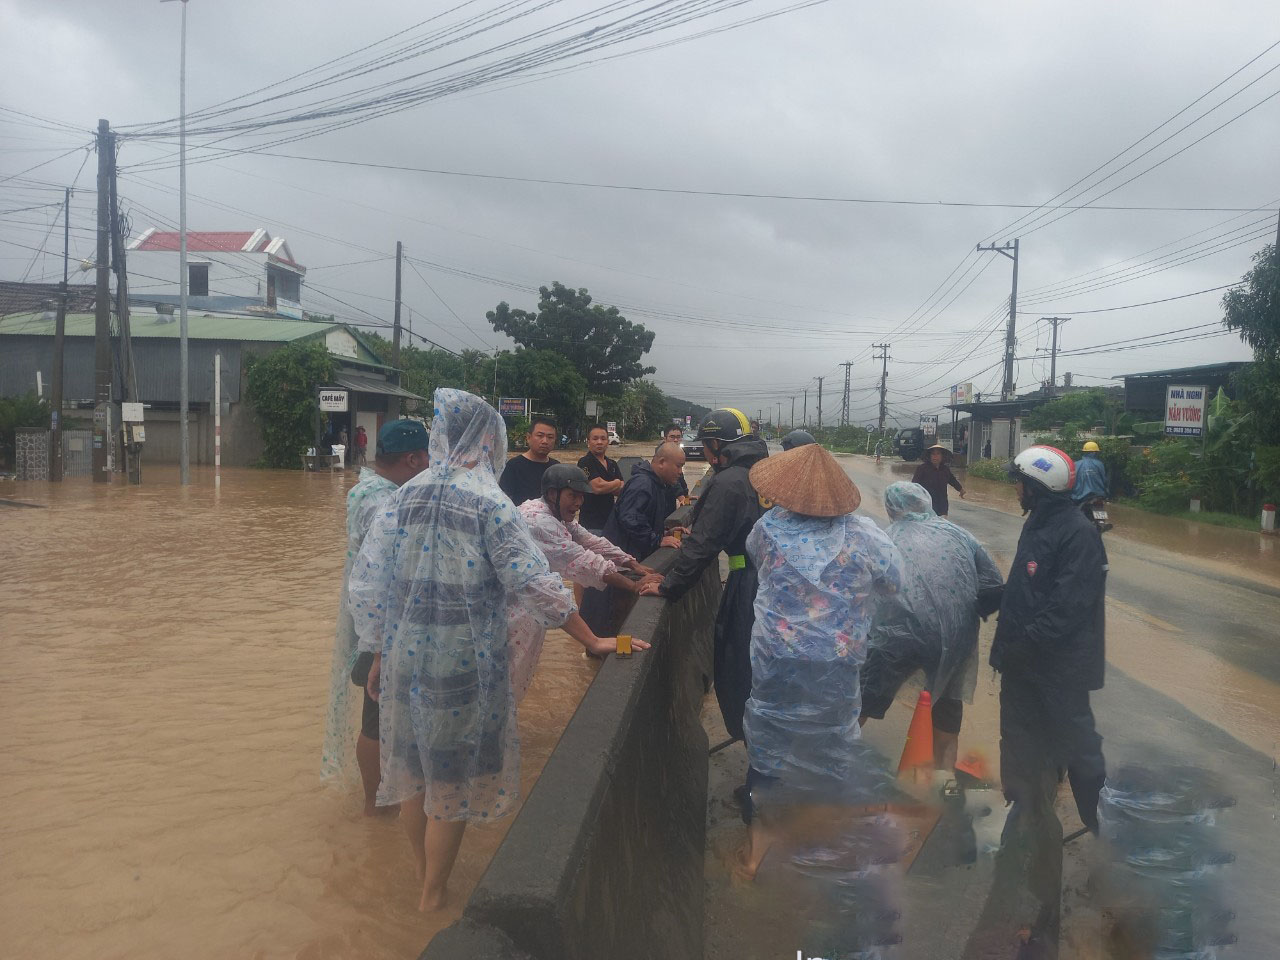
[77, 453]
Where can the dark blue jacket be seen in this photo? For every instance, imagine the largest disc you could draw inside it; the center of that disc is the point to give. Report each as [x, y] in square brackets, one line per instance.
[638, 518]
[1053, 612]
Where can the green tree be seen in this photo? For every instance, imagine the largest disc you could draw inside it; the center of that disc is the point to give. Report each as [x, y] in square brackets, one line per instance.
[1253, 308]
[641, 412]
[282, 388]
[1081, 411]
[601, 344]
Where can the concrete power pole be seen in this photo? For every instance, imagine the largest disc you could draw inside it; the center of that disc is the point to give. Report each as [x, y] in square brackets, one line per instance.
[102, 317]
[793, 413]
[844, 404]
[59, 343]
[1053, 355]
[805, 412]
[184, 376]
[820, 379]
[395, 331]
[883, 357]
[1009, 250]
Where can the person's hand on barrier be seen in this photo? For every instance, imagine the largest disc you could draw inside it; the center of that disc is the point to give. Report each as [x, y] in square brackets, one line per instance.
[652, 577]
[651, 588]
[670, 541]
[644, 571]
[372, 686]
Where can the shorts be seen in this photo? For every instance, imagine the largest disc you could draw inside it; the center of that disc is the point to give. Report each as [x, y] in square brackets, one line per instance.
[369, 712]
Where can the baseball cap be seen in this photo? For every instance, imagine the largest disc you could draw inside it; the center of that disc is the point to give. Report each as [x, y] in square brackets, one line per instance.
[402, 436]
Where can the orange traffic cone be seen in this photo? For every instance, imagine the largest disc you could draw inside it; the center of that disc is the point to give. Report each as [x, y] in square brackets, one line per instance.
[975, 765]
[917, 753]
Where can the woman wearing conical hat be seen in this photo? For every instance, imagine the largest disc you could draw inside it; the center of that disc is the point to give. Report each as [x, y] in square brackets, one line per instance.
[821, 570]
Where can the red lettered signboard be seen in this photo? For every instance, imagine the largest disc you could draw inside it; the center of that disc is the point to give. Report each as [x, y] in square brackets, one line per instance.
[1184, 410]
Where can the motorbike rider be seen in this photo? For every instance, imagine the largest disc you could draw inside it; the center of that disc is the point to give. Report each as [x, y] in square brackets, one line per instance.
[723, 516]
[1049, 648]
[797, 438]
[1091, 475]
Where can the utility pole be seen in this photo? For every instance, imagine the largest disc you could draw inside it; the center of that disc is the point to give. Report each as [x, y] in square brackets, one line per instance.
[778, 423]
[184, 376]
[1053, 355]
[820, 379]
[844, 404]
[1009, 250]
[59, 342]
[883, 357]
[805, 415]
[395, 332]
[129, 379]
[793, 413]
[102, 318]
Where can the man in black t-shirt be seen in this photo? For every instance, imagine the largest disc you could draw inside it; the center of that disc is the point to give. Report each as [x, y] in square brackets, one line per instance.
[606, 481]
[521, 480]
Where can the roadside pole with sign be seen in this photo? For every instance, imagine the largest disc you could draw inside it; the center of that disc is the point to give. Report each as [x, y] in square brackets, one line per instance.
[328, 400]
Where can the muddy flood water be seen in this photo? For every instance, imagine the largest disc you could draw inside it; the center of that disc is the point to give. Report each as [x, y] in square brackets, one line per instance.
[164, 683]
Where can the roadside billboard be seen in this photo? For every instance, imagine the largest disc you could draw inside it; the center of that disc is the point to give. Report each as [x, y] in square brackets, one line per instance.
[1184, 410]
[513, 406]
[961, 393]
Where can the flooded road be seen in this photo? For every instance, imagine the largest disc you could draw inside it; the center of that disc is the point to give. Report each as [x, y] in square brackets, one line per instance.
[1193, 674]
[165, 678]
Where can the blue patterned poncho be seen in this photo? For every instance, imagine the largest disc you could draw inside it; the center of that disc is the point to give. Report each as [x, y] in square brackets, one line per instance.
[820, 580]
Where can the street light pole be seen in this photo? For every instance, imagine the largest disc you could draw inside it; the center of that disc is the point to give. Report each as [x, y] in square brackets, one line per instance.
[184, 393]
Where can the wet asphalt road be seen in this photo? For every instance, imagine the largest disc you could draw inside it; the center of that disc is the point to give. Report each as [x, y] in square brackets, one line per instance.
[1193, 677]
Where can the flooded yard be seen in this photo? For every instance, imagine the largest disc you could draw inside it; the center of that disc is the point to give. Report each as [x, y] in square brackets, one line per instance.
[165, 678]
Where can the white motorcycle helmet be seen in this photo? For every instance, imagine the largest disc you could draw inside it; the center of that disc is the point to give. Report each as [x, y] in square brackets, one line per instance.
[1046, 466]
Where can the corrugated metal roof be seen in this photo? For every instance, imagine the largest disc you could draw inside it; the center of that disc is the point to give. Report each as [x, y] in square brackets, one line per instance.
[360, 384]
[1206, 369]
[200, 326]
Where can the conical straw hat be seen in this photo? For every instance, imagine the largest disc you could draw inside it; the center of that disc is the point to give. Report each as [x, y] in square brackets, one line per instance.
[806, 480]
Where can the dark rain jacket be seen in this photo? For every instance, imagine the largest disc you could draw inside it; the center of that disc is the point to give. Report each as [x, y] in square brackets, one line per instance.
[1053, 614]
[639, 517]
[722, 518]
[936, 480]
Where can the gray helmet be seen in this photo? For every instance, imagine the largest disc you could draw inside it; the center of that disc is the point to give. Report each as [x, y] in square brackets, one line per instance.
[797, 438]
[565, 476]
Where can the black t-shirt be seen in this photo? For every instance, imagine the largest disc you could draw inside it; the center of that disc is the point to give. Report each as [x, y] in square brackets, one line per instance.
[596, 507]
[521, 479]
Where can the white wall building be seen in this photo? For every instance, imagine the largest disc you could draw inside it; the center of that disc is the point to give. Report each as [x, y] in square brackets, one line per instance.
[227, 270]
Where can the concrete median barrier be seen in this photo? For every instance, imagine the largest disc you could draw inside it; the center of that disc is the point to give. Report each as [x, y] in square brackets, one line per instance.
[605, 859]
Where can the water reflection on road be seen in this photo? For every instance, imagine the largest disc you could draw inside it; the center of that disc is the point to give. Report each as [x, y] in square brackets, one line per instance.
[166, 655]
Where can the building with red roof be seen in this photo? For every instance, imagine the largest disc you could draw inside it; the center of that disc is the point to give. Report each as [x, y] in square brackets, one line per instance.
[226, 270]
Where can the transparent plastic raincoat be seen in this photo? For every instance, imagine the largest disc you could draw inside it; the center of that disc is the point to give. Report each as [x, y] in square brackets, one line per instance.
[575, 554]
[364, 501]
[820, 580]
[430, 590]
[932, 623]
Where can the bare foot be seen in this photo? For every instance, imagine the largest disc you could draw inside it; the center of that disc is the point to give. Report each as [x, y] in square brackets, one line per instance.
[433, 900]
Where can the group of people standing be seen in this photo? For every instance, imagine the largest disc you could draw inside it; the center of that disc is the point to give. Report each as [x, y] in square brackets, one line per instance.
[457, 562]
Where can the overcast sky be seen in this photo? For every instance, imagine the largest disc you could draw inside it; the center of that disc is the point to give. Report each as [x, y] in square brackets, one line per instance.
[751, 298]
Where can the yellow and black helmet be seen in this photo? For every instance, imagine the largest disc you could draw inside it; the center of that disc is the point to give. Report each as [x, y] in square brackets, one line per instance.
[725, 425]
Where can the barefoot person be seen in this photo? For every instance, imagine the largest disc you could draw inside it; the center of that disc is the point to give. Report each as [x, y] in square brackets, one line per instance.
[931, 624]
[822, 570]
[429, 594]
[401, 455]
